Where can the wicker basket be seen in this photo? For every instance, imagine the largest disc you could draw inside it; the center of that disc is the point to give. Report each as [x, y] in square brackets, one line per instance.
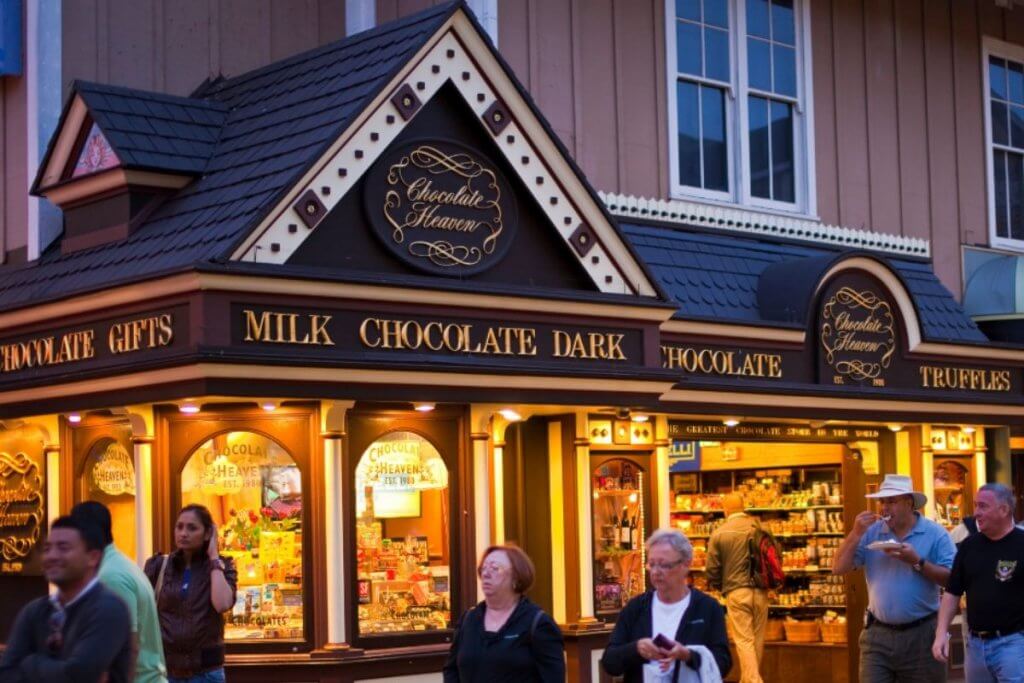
[775, 631]
[833, 632]
[802, 631]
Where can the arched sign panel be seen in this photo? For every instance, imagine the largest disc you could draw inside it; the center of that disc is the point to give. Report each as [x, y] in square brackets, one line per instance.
[858, 332]
[441, 207]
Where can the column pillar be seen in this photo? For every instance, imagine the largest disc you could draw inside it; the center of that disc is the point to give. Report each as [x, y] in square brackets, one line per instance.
[143, 453]
[481, 496]
[334, 436]
[51, 461]
[585, 526]
[498, 478]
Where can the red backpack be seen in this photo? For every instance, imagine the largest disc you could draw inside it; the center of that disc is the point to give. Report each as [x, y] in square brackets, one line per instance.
[766, 560]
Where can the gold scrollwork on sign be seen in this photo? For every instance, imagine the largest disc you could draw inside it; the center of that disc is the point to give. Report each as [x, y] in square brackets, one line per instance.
[854, 325]
[415, 202]
[19, 530]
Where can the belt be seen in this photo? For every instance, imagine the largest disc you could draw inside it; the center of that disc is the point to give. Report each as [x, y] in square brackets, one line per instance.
[872, 621]
[989, 635]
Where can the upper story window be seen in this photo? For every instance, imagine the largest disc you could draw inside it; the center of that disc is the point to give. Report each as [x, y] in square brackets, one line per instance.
[738, 98]
[1004, 135]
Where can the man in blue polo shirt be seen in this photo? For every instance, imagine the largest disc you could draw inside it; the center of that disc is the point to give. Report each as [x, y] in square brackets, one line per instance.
[906, 558]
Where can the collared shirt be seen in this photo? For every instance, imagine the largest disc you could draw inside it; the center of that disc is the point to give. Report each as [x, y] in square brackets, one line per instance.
[123, 577]
[896, 593]
[55, 597]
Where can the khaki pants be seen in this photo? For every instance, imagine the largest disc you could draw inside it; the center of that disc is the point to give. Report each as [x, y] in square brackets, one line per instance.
[747, 612]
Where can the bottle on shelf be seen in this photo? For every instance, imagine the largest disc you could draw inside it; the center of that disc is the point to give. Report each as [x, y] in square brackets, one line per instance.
[635, 534]
[625, 538]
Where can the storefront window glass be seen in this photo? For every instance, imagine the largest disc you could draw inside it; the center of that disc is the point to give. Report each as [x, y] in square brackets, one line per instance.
[253, 488]
[403, 555]
[110, 479]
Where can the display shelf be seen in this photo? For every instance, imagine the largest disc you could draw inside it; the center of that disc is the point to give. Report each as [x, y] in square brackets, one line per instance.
[804, 508]
[813, 607]
[616, 492]
[696, 512]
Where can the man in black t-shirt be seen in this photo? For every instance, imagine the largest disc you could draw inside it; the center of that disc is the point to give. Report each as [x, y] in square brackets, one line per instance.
[989, 568]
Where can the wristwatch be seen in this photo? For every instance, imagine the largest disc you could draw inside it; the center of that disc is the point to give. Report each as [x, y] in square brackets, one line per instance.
[919, 565]
[217, 564]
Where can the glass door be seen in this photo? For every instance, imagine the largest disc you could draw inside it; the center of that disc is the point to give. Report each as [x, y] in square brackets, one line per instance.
[619, 524]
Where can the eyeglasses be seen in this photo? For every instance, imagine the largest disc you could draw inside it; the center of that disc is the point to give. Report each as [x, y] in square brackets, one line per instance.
[492, 568]
[664, 567]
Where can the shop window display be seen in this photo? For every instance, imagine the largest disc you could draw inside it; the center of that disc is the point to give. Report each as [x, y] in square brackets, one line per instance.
[109, 478]
[619, 524]
[402, 535]
[253, 488]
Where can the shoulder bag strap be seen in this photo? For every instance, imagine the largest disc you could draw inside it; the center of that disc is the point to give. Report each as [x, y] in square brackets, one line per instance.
[160, 577]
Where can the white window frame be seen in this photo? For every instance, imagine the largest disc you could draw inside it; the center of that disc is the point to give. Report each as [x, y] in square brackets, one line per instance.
[993, 47]
[805, 195]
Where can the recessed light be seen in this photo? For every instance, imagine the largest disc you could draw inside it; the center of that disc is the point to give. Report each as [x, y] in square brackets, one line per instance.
[969, 430]
[510, 415]
[189, 408]
[895, 428]
[730, 422]
[423, 407]
[641, 418]
[74, 417]
[269, 406]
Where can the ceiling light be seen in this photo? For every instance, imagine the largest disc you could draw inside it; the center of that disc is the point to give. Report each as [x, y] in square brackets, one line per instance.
[730, 422]
[641, 418]
[74, 418]
[269, 406]
[969, 430]
[189, 408]
[895, 428]
[423, 407]
[510, 415]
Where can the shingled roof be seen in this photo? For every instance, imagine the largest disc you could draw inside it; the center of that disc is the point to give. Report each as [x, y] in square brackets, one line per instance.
[715, 277]
[276, 121]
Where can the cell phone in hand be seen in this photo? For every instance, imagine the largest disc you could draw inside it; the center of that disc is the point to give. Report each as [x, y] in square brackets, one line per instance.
[663, 642]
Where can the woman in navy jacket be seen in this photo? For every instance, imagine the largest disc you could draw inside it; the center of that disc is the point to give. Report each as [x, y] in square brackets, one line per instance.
[506, 638]
[685, 616]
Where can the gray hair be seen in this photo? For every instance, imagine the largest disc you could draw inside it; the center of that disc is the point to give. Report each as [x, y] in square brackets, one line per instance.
[675, 539]
[1003, 494]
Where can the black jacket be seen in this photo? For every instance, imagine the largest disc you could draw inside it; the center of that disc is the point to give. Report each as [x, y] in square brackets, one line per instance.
[527, 647]
[96, 635]
[703, 624]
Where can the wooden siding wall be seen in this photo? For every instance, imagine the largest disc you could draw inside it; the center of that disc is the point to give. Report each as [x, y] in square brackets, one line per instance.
[13, 164]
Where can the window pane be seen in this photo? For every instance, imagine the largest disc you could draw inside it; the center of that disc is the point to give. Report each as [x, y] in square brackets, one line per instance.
[688, 121]
[716, 13]
[759, 64]
[716, 164]
[253, 489]
[403, 557]
[1016, 76]
[997, 77]
[688, 9]
[757, 18]
[782, 152]
[784, 64]
[783, 30]
[1014, 181]
[688, 48]
[1000, 135]
[1017, 126]
[716, 54]
[999, 162]
[760, 183]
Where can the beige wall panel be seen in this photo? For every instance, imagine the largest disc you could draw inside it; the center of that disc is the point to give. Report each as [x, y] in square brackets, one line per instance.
[293, 27]
[187, 46]
[991, 20]
[129, 48]
[970, 125]
[594, 73]
[942, 153]
[883, 147]
[639, 67]
[389, 10]
[79, 25]
[827, 181]
[851, 114]
[551, 71]
[15, 178]
[243, 18]
[1013, 26]
[331, 21]
[910, 105]
[514, 38]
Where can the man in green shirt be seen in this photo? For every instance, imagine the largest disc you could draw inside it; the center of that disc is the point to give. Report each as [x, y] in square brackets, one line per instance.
[123, 577]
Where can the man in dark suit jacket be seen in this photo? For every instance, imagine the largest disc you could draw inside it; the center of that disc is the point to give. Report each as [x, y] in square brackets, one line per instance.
[82, 632]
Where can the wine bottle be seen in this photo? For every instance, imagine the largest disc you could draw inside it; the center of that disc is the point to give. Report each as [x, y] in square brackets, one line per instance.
[625, 539]
[634, 532]
[616, 537]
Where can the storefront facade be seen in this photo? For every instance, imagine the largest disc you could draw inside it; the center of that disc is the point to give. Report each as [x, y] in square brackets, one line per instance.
[378, 334]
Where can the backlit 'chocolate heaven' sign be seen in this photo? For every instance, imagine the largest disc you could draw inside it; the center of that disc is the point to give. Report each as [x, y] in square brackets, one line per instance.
[858, 335]
[441, 207]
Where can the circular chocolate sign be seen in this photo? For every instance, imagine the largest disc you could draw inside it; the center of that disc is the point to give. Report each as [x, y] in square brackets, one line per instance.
[441, 207]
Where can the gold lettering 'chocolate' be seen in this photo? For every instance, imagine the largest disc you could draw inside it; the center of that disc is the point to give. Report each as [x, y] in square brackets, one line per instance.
[964, 379]
[45, 351]
[412, 335]
[707, 361]
[287, 328]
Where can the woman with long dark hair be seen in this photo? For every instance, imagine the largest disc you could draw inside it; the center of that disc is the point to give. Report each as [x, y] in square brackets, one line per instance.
[194, 586]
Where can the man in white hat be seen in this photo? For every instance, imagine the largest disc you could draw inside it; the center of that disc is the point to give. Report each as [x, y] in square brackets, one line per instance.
[906, 558]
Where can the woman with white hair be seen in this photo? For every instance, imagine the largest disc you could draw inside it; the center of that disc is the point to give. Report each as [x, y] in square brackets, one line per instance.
[672, 632]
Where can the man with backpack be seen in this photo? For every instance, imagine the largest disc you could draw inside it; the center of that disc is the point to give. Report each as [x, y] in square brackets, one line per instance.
[906, 558]
[731, 568]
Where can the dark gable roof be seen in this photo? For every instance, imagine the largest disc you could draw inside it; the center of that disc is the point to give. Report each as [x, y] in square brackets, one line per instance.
[277, 121]
[716, 277]
[152, 131]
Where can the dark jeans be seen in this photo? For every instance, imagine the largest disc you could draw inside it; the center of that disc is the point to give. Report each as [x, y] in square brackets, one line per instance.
[891, 656]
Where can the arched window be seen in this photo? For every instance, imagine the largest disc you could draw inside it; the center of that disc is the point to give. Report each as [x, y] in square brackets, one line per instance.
[253, 488]
[402, 536]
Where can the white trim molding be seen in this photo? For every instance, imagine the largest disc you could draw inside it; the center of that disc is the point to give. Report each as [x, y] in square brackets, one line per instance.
[761, 224]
